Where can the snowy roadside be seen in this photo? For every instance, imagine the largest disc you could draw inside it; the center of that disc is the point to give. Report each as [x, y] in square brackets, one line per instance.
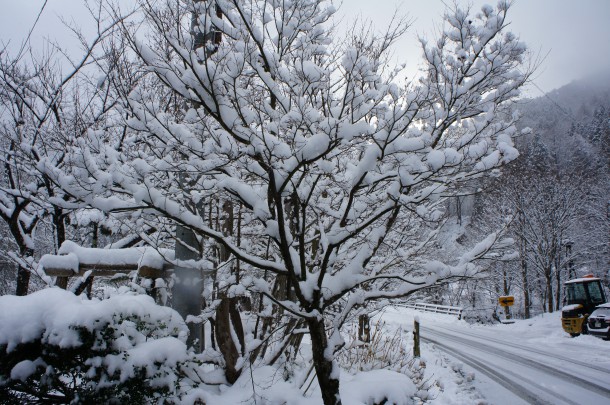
[129, 326]
[460, 384]
[457, 382]
[541, 337]
[544, 332]
[268, 385]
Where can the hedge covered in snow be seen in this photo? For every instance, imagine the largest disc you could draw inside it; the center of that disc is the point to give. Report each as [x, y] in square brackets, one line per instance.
[57, 347]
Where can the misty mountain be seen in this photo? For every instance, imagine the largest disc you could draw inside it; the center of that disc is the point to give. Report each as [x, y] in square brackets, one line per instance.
[572, 123]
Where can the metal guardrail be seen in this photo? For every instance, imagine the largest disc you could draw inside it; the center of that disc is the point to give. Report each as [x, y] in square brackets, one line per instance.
[439, 309]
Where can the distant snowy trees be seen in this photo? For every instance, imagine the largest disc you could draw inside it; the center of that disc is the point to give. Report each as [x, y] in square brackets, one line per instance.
[310, 175]
[553, 200]
[545, 212]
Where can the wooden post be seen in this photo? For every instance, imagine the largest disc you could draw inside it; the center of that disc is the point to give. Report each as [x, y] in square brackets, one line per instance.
[62, 282]
[416, 351]
[364, 328]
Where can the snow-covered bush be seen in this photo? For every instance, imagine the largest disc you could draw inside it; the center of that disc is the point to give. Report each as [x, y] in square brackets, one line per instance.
[391, 351]
[482, 316]
[387, 350]
[56, 347]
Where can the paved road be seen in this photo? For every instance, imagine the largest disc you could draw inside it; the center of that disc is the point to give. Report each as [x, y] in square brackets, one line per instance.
[523, 373]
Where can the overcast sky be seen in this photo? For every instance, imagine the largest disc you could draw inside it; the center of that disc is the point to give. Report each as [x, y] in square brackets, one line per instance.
[574, 35]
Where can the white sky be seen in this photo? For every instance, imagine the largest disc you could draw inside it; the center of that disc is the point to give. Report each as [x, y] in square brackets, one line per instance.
[575, 34]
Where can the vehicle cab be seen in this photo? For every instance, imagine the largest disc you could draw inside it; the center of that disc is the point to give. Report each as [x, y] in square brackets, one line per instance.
[583, 295]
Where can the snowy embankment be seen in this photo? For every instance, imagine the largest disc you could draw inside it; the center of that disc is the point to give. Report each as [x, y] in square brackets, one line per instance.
[457, 384]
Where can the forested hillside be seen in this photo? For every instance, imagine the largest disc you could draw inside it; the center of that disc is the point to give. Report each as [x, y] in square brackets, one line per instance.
[554, 201]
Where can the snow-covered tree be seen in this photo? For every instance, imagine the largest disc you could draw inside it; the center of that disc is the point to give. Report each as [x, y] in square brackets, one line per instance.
[312, 174]
[31, 115]
[549, 222]
[48, 100]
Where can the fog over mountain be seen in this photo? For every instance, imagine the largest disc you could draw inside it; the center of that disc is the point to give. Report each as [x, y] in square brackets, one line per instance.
[572, 121]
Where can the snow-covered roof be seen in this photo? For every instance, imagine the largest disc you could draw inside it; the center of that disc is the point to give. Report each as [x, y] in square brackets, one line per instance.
[571, 307]
[582, 280]
[606, 305]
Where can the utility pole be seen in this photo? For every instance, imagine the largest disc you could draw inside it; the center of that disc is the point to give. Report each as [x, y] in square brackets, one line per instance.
[187, 292]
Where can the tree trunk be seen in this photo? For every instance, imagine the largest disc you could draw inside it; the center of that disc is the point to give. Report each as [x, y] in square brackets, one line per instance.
[525, 282]
[60, 227]
[94, 244]
[60, 238]
[23, 281]
[458, 210]
[549, 289]
[558, 267]
[228, 325]
[558, 292]
[505, 280]
[328, 377]
[23, 274]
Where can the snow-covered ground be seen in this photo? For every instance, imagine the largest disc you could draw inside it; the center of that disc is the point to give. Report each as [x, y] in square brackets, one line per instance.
[530, 361]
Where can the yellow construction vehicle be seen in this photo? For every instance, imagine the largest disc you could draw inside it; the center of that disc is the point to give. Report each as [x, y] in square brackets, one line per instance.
[582, 296]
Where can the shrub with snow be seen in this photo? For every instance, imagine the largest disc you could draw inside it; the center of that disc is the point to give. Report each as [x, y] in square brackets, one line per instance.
[390, 351]
[56, 347]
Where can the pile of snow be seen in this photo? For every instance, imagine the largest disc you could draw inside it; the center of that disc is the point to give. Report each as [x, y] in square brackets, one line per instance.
[266, 386]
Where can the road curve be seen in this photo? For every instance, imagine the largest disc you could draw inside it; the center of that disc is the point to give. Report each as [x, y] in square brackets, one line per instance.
[529, 349]
[538, 380]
